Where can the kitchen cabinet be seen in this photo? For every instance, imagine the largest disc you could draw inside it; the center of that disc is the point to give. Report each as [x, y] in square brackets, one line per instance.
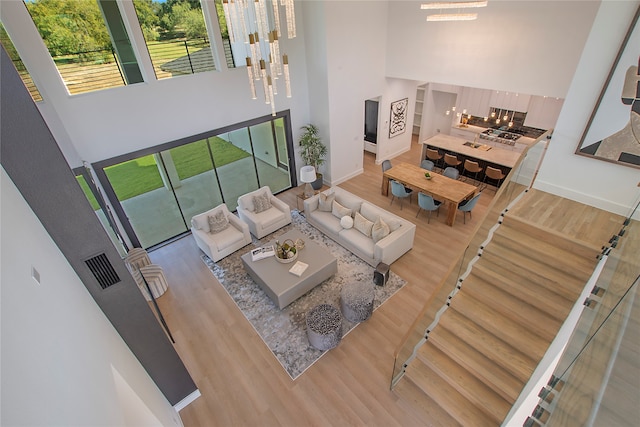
[475, 101]
[543, 112]
[464, 133]
[510, 101]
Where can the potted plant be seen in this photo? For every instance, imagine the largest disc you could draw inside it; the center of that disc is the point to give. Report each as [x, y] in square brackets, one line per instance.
[312, 151]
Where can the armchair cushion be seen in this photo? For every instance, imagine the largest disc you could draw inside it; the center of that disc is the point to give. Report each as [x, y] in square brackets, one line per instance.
[261, 203]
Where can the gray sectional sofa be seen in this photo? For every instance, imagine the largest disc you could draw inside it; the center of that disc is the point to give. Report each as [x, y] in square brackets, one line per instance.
[369, 242]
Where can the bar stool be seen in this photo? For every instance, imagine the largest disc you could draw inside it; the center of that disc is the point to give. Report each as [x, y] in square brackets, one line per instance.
[451, 160]
[473, 168]
[435, 157]
[494, 174]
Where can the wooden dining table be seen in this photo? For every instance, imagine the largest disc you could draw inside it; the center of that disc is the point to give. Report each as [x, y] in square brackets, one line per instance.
[449, 191]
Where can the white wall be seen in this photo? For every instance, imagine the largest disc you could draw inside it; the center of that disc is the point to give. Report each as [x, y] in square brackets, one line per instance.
[356, 45]
[593, 182]
[523, 46]
[58, 364]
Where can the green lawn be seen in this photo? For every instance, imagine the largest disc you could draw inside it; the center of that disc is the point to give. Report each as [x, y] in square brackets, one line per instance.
[139, 176]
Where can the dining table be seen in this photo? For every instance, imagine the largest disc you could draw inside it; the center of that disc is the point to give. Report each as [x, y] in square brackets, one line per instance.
[444, 189]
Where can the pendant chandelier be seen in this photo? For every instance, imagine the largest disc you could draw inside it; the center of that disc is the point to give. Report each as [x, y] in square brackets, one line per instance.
[257, 24]
[459, 5]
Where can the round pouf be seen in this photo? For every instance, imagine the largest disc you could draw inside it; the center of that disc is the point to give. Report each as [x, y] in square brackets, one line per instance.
[324, 326]
[356, 300]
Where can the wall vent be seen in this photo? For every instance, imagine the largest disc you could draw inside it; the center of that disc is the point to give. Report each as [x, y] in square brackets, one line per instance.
[102, 270]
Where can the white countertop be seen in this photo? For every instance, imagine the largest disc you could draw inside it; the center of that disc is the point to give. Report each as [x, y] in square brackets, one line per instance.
[498, 156]
[477, 129]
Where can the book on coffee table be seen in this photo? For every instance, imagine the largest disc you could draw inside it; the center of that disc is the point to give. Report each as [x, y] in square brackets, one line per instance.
[261, 253]
[298, 268]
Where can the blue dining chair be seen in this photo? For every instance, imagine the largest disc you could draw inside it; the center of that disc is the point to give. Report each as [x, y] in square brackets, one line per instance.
[386, 165]
[467, 205]
[427, 164]
[428, 203]
[400, 191]
[451, 172]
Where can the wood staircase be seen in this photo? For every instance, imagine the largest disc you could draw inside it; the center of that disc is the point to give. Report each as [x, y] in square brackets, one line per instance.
[498, 326]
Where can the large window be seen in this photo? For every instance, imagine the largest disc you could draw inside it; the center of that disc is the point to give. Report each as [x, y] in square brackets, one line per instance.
[176, 36]
[87, 41]
[155, 193]
[17, 62]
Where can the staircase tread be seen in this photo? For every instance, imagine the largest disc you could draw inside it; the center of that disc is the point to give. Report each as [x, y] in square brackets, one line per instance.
[474, 361]
[567, 287]
[447, 397]
[545, 248]
[504, 355]
[512, 307]
[555, 305]
[473, 389]
[493, 322]
[419, 401]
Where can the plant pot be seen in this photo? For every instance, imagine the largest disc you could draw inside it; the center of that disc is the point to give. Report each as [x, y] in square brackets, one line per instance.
[317, 184]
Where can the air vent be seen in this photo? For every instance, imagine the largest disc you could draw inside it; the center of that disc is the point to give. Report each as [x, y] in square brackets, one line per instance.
[102, 270]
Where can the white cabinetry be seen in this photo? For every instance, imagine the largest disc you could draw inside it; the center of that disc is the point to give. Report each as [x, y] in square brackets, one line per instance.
[510, 101]
[543, 112]
[475, 101]
[463, 133]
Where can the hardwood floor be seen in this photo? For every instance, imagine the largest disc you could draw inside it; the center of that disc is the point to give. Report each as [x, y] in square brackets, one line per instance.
[242, 383]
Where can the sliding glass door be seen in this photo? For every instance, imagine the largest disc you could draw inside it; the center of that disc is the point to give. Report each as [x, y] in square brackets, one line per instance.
[157, 193]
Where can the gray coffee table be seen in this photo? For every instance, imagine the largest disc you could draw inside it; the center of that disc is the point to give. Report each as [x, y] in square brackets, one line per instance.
[283, 287]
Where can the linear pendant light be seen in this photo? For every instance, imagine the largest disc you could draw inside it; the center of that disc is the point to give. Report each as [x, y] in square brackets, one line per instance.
[453, 5]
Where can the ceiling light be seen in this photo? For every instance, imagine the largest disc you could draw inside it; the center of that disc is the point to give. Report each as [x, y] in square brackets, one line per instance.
[453, 17]
[453, 5]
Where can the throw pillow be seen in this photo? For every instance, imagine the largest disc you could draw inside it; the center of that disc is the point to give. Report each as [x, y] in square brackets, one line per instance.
[339, 211]
[217, 222]
[362, 224]
[380, 230]
[325, 203]
[261, 202]
[346, 222]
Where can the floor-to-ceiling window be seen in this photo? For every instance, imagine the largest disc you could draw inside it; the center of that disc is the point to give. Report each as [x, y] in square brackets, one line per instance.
[156, 192]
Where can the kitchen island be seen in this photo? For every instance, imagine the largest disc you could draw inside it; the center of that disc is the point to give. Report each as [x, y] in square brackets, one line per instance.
[474, 150]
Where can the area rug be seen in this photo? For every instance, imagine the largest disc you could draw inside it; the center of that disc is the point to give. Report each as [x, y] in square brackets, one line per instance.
[284, 331]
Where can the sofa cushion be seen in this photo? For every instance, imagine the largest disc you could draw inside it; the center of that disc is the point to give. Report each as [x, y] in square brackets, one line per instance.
[217, 222]
[352, 237]
[380, 230]
[372, 213]
[339, 211]
[261, 202]
[325, 202]
[348, 200]
[362, 224]
[327, 221]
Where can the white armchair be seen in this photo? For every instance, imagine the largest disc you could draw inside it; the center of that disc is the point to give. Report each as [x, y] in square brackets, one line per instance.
[219, 244]
[263, 218]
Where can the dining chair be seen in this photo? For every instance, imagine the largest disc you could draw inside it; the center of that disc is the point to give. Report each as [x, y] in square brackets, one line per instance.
[467, 205]
[494, 174]
[428, 203]
[451, 172]
[386, 165]
[435, 157]
[427, 164]
[400, 191]
[451, 160]
[472, 168]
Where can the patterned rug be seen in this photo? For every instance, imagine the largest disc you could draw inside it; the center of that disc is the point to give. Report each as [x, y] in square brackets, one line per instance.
[284, 331]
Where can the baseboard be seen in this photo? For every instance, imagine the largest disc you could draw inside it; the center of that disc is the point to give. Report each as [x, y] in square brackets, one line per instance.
[186, 401]
[347, 177]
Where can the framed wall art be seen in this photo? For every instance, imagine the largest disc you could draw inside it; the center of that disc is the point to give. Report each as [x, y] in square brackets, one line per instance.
[398, 119]
[613, 131]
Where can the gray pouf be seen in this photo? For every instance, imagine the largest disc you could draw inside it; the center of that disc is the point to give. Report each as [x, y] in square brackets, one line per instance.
[324, 326]
[356, 300]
